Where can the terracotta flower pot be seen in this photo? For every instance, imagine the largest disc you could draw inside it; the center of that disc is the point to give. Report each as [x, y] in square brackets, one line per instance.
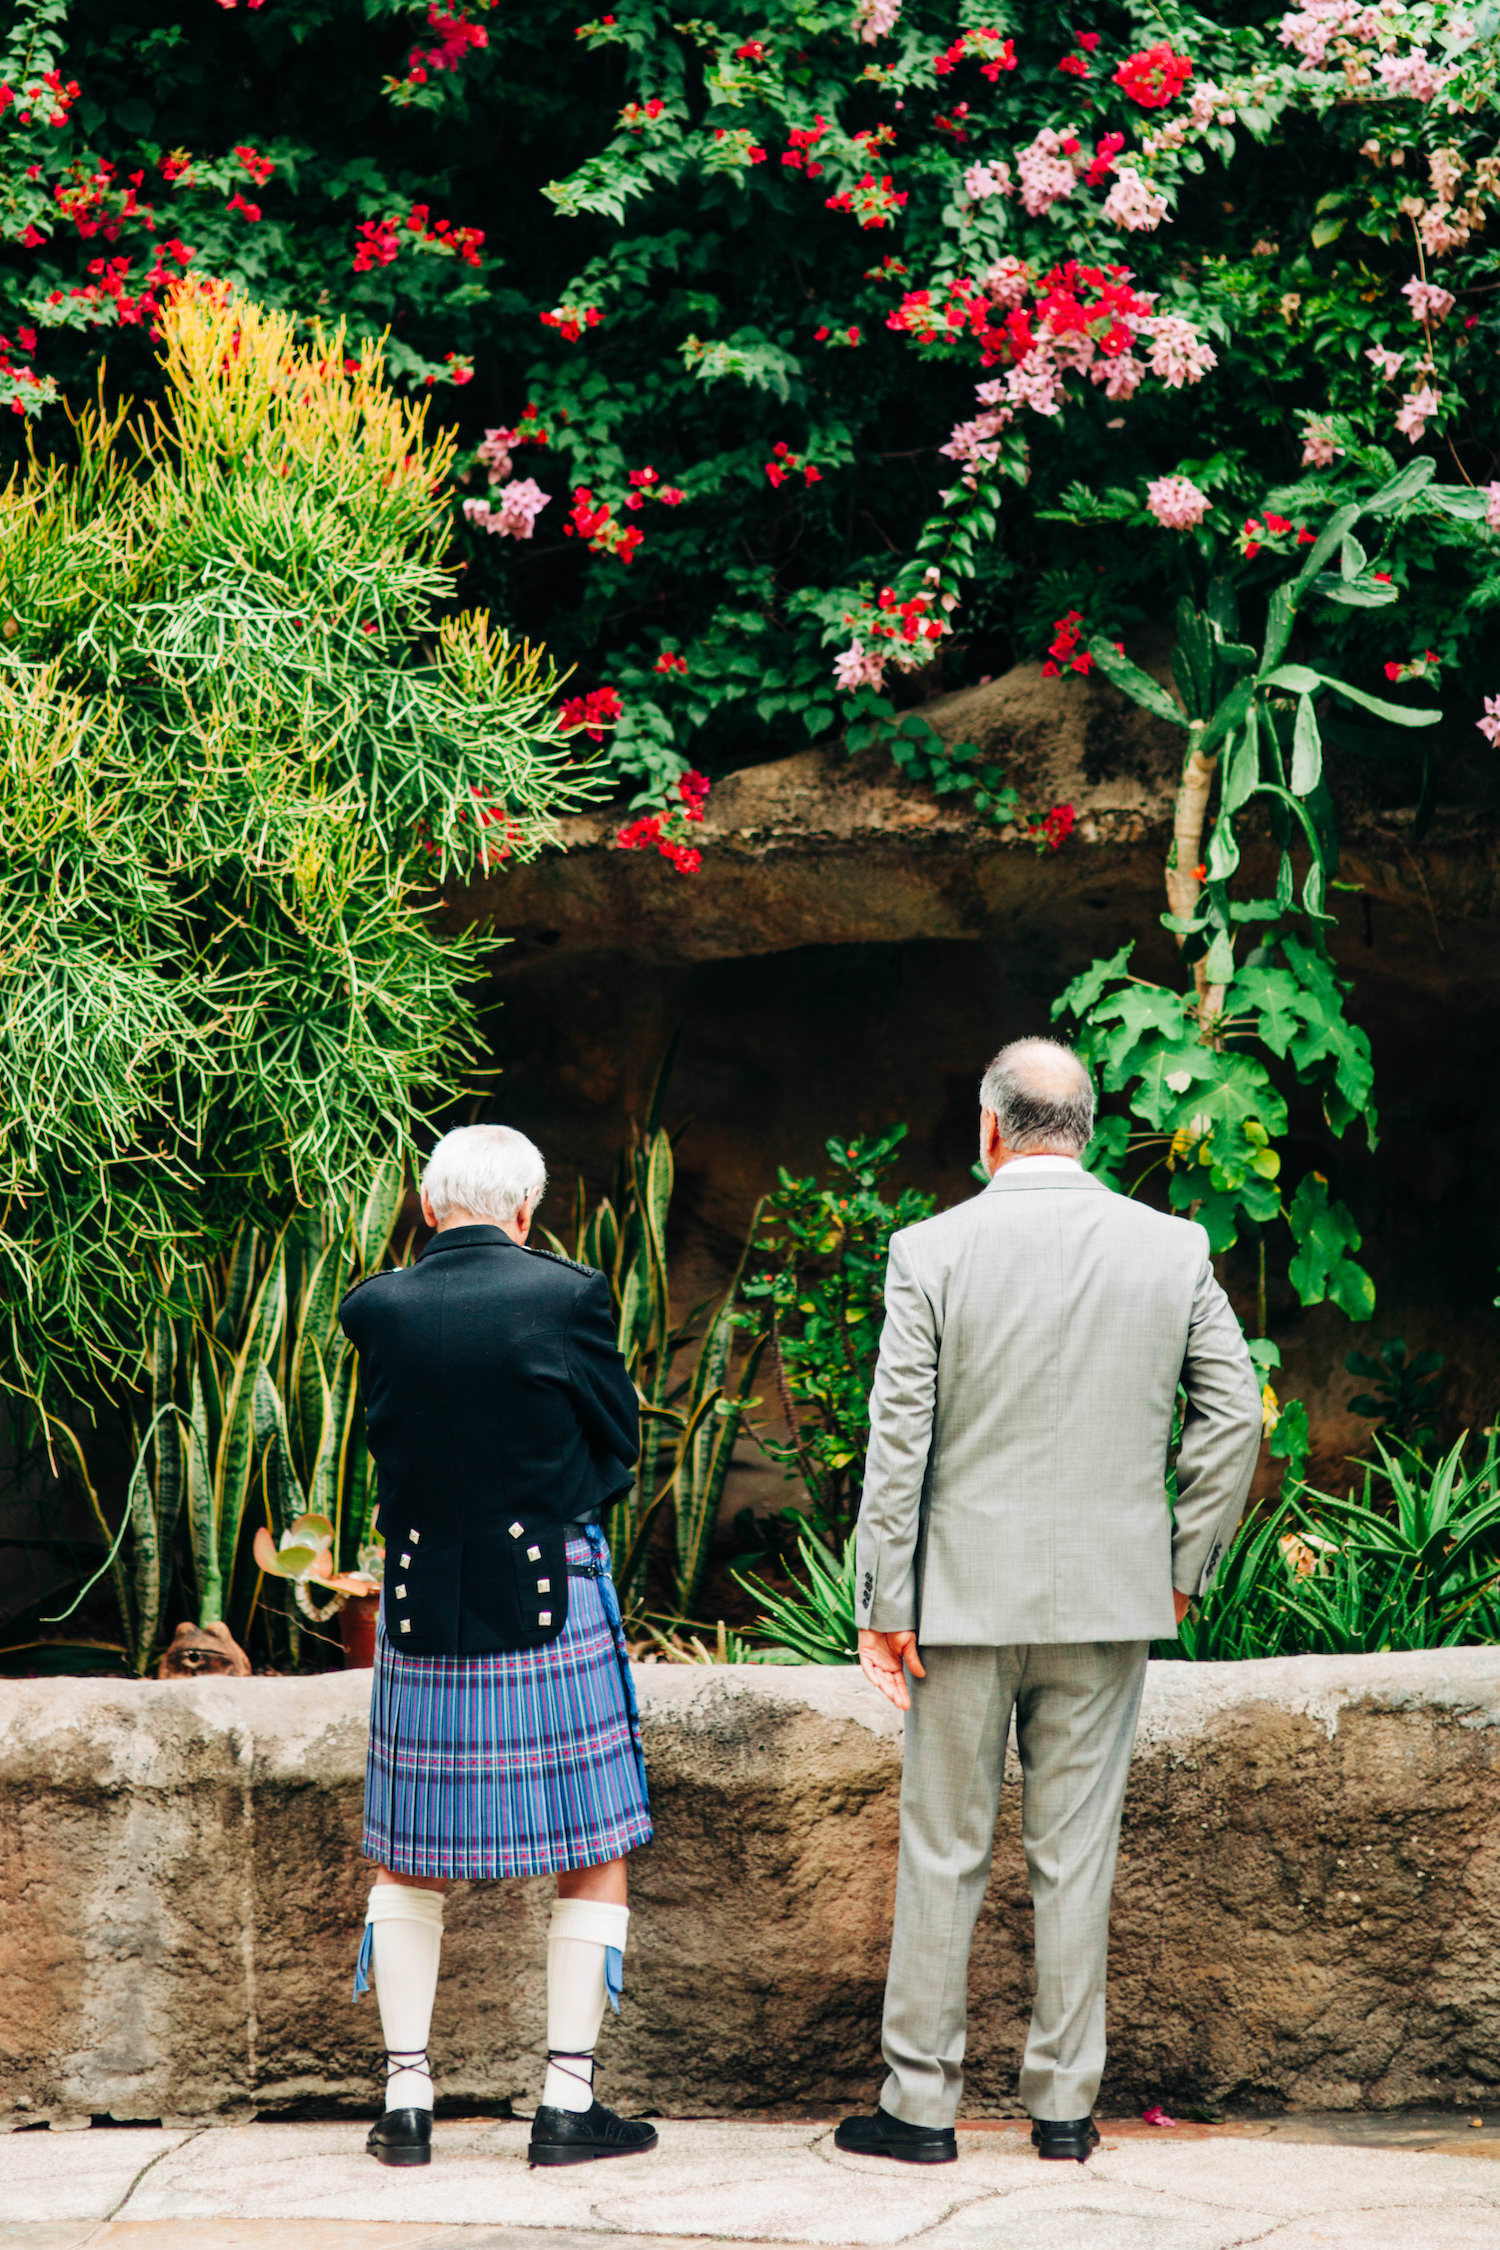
[357, 1631]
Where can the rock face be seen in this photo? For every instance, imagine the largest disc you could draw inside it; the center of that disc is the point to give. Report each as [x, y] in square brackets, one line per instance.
[1305, 1914]
[823, 849]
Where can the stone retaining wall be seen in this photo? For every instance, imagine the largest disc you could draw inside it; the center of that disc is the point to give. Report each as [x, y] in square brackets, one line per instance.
[1307, 1912]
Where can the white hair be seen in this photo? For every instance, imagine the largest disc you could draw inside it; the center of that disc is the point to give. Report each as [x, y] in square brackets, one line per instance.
[1041, 1096]
[491, 1170]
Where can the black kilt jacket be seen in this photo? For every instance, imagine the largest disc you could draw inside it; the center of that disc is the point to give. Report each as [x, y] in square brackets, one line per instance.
[498, 1411]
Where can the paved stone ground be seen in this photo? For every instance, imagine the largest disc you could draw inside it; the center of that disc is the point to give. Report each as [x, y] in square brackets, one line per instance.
[1289, 2184]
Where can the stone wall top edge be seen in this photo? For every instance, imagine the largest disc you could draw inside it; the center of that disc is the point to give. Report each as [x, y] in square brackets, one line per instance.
[312, 1725]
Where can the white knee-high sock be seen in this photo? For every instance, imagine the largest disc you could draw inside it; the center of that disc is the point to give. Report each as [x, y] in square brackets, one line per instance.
[583, 1933]
[406, 1930]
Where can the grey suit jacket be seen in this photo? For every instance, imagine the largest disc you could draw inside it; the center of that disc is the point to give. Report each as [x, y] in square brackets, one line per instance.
[1021, 1420]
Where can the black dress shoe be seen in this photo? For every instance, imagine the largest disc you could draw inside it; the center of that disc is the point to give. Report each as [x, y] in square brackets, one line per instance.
[578, 2136]
[1064, 2139]
[402, 2136]
[884, 2135]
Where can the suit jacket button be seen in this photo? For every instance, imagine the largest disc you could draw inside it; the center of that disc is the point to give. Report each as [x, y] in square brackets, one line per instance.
[406, 1624]
[544, 1617]
[544, 1585]
[533, 1554]
[406, 1562]
[516, 1530]
[400, 1593]
[414, 1536]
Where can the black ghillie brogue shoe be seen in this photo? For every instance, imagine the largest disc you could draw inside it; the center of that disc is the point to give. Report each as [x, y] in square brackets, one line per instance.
[402, 2136]
[581, 2136]
[1064, 2140]
[884, 2135]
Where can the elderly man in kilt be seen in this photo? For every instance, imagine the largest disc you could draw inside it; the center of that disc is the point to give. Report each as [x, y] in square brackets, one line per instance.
[504, 1735]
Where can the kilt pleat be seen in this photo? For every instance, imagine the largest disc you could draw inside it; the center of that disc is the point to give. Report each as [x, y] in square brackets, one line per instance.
[523, 1764]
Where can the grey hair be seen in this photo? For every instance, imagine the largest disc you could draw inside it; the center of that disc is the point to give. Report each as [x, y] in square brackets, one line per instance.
[491, 1170]
[1042, 1097]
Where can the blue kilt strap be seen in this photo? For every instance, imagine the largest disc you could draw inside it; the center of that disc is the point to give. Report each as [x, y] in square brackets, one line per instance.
[362, 1965]
[518, 1764]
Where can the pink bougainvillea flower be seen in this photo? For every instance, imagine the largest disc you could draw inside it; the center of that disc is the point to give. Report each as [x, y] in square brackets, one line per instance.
[1176, 502]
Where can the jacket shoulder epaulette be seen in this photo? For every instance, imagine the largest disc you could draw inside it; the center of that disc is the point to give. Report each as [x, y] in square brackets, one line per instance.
[558, 1258]
[355, 1287]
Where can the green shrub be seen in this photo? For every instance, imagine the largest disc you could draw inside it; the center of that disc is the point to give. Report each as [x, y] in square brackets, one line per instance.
[237, 742]
[814, 1293]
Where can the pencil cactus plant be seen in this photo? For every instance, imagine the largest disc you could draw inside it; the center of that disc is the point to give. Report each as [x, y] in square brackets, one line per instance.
[238, 742]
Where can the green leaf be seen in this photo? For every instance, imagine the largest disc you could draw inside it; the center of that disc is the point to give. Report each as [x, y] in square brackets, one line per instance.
[1138, 685]
[1242, 765]
[1219, 967]
[1280, 614]
[1403, 487]
[1080, 996]
[1326, 1236]
[1307, 748]
[1234, 711]
[1398, 714]
[1298, 679]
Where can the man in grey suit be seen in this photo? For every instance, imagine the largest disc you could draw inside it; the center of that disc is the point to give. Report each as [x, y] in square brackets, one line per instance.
[1015, 1522]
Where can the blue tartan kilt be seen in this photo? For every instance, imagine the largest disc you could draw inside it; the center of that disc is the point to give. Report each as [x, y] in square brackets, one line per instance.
[510, 1765]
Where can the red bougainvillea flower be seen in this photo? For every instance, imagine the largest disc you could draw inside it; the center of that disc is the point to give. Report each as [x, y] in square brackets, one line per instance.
[1074, 66]
[591, 713]
[570, 321]
[670, 661]
[665, 830]
[1052, 831]
[874, 202]
[785, 463]
[801, 141]
[1154, 77]
[754, 50]
[1063, 651]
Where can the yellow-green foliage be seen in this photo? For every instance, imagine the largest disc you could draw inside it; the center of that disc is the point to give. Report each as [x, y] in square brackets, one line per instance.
[238, 742]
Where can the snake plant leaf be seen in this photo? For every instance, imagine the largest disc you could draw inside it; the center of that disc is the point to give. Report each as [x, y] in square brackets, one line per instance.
[203, 1525]
[151, 1503]
[285, 1498]
[237, 1438]
[242, 1268]
[382, 1208]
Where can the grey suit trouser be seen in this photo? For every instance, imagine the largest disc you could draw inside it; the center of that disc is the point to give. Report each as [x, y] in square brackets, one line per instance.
[1076, 1705]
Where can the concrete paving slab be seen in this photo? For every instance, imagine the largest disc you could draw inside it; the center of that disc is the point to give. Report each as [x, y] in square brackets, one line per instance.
[55, 2177]
[1288, 2179]
[1415, 2228]
[1064, 2208]
[780, 2186]
[40, 2234]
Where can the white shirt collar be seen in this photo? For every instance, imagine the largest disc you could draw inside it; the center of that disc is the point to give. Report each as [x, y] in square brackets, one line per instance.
[1035, 1164]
